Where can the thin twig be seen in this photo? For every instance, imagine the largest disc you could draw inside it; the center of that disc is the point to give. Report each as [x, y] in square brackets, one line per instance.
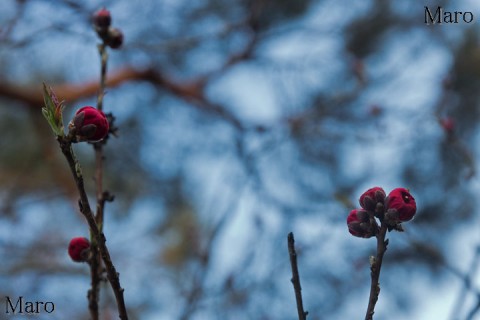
[302, 315]
[102, 50]
[197, 291]
[96, 262]
[468, 286]
[474, 311]
[375, 267]
[95, 276]
[112, 274]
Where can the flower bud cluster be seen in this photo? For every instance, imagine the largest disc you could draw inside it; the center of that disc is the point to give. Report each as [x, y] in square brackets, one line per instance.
[102, 20]
[399, 206]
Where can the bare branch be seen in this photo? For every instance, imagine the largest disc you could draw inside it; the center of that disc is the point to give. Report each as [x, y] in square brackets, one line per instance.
[468, 286]
[302, 315]
[98, 236]
[375, 266]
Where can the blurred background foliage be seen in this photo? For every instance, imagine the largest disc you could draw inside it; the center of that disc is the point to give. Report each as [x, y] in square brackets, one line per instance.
[239, 122]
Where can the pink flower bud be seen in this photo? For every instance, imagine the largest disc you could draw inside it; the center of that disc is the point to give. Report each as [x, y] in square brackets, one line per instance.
[369, 199]
[102, 19]
[79, 249]
[359, 225]
[89, 124]
[403, 203]
[114, 38]
[447, 124]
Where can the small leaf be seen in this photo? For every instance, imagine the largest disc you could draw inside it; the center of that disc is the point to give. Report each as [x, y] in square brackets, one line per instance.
[53, 110]
[45, 112]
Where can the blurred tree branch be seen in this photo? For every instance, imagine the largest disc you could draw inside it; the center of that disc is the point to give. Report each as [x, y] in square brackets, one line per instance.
[468, 286]
[192, 91]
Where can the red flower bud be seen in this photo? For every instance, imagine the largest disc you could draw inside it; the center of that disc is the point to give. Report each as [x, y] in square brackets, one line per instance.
[369, 199]
[359, 225]
[403, 202]
[447, 124]
[102, 19]
[114, 38]
[89, 124]
[79, 249]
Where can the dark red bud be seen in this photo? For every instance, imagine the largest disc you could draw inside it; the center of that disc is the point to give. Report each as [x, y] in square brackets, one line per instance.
[369, 199]
[359, 225]
[363, 215]
[403, 202]
[102, 19]
[89, 124]
[79, 249]
[447, 124]
[114, 38]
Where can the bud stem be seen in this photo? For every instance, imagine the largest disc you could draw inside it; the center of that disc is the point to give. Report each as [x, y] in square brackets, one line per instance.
[376, 265]
[98, 236]
[102, 50]
[96, 265]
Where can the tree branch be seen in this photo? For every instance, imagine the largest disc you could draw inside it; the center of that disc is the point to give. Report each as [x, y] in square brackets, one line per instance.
[302, 315]
[375, 266]
[192, 91]
[467, 286]
[98, 236]
[96, 262]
